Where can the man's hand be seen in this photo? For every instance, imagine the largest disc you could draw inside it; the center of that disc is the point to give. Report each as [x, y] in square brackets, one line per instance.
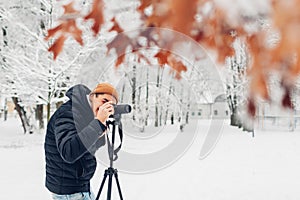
[104, 111]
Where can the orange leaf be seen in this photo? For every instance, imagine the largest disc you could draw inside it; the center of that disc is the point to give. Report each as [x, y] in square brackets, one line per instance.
[177, 66]
[53, 31]
[69, 9]
[162, 57]
[174, 14]
[120, 44]
[66, 27]
[183, 16]
[296, 67]
[57, 46]
[144, 4]
[96, 14]
[148, 34]
[72, 28]
[116, 26]
[120, 60]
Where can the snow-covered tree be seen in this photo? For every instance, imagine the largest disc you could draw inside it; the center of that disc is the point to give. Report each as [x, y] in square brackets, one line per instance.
[237, 83]
[29, 74]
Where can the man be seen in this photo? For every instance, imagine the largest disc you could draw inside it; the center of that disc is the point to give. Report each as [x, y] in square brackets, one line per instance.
[74, 133]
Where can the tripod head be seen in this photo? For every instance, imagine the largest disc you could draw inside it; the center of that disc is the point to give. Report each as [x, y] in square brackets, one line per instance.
[114, 120]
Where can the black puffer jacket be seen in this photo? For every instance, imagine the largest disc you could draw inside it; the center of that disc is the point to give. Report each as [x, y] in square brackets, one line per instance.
[71, 140]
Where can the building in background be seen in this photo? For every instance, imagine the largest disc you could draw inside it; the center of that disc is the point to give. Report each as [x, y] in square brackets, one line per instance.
[218, 109]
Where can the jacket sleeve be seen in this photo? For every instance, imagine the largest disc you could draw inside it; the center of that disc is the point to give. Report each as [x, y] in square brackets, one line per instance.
[72, 145]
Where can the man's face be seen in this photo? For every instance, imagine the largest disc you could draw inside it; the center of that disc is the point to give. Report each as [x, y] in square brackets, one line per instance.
[98, 100]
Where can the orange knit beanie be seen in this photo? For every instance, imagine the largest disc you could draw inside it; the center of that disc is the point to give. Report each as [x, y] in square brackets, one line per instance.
[106, 88]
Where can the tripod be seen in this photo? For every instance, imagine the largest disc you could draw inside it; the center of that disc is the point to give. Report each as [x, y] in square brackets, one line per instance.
[110, 171]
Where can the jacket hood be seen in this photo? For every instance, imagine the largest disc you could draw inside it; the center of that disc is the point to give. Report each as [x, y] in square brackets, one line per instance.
[78, 92]
[81, 108]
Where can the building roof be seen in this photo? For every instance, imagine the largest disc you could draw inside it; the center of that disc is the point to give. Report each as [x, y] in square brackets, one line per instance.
[221, 98]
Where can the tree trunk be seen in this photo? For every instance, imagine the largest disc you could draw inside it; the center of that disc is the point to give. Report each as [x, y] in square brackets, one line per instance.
[4, 33]
[39, 115]
[166, 116]
[141, 117]
[157, 99]
[168, 102]
[22, 115]
[5, 110]
[187, 117]
[172, 118]
[160, 116]
[48, 111]
[156, 116]
[188, 108]
[234, 118]
[122, 94]
[147, 98]
[133, 79]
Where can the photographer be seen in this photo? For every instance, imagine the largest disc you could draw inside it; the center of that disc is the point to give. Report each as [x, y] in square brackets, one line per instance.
[74, 133]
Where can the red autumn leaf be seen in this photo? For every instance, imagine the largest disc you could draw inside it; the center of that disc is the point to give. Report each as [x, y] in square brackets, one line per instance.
[116, 26]
[96, 14]
[174, 14]
[177, 66]
[53, 31]
[165, 57]
[119, 43]
[120, 60]
[67, 24]
[69, 8]
[296, 68]
[182, 16]
[75, 32]
[162, 57]
[144, 4]
[66, 27]
[149, 33]
[57, 46]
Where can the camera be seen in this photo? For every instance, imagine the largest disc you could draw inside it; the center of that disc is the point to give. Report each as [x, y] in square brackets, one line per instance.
[122, 109]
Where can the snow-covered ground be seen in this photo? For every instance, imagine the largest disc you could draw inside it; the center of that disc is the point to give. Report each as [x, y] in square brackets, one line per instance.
[239, 168]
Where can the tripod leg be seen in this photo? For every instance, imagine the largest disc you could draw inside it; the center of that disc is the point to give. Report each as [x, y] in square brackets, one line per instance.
[102, 184]
[118, 184]
[109, 186]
